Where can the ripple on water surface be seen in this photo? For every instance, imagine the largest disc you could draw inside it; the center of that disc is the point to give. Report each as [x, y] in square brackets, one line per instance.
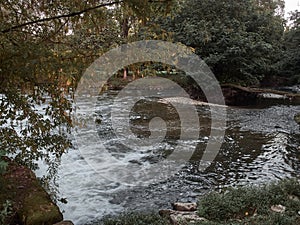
[260, 145]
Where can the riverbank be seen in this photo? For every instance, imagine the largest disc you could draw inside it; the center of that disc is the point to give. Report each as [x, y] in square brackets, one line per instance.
[275, 203]
[234, 95]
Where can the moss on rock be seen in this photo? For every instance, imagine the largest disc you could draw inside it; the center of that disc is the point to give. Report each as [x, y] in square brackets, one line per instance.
[31, 203]
[39, 209]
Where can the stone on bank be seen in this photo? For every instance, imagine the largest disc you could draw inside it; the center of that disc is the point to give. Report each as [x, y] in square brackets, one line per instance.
[31, 204]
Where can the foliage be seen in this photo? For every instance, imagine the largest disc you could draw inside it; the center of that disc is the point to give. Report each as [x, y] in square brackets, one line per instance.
[259, 220]
[34, 117]
[240, 41]
[45, 48]
[137, 219]
[3, 164]
[5, 212]
[289, 65]
[243, 203]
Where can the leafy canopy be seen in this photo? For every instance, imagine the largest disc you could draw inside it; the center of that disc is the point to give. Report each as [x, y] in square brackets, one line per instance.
[239, 40]
[45, 47]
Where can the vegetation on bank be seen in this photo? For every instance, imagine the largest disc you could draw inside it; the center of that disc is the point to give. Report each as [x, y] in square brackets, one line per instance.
[246, 43]
[236, 206]
[136, 218]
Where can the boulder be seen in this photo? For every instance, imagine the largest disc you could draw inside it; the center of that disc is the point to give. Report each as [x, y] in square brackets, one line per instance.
[66, 222]
[297, 118]
[32, 205]
[38, 208]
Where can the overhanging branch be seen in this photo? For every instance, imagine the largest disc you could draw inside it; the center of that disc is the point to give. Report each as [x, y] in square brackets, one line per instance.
[59, 16]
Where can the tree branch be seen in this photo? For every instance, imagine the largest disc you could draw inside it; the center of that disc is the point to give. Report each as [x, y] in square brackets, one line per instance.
[59, 16]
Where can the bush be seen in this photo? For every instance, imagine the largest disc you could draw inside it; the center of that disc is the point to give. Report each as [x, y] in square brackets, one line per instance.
[5, 212]
[3, 164]
[243, 203]
[136, 219]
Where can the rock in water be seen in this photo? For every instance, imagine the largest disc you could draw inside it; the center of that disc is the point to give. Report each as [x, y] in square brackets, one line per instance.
[297, 118]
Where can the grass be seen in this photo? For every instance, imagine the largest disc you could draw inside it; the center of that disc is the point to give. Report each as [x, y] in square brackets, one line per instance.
[135, 219]
[244, 203]
[235, 206]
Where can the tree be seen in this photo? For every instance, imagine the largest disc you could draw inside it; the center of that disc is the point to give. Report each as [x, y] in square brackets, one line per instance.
[289, 65]
[45, 47]
[24, 132]
[239, 40]
[137, 20]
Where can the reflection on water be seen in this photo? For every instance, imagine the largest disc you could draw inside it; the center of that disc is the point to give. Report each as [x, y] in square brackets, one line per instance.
[260, 145]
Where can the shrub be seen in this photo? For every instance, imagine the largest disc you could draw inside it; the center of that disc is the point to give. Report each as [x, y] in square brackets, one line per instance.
[3, 164]
[244, 202]
[136, 219]
[4, 213]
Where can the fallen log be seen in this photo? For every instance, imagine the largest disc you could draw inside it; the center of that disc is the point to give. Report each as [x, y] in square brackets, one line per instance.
[241, 96]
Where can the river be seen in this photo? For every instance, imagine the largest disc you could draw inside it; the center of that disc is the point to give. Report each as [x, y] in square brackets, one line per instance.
[261, 144]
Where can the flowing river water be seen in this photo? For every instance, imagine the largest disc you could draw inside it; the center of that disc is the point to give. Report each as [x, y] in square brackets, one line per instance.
[261, 144]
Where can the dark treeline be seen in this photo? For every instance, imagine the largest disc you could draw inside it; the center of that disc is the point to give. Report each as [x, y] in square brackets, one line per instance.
[244, 42]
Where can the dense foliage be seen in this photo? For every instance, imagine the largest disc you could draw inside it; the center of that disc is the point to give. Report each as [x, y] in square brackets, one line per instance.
[239, 40]
[253, 205]
[290, 62]
[45, 47]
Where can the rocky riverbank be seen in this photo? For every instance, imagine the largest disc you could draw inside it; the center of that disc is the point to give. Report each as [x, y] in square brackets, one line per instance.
[276, 203]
